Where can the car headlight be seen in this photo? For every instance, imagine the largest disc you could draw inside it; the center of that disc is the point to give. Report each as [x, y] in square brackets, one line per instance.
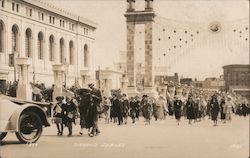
[45, 109]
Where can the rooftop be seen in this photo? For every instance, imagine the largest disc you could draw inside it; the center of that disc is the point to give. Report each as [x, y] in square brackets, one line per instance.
[49, 7]
[237, 66]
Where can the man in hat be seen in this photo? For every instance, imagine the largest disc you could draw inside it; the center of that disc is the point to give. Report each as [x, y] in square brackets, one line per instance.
[146, 108]
[124, 107]
[97, 98]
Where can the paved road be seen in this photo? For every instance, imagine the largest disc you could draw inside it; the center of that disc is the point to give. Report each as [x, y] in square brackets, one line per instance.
[161, 139]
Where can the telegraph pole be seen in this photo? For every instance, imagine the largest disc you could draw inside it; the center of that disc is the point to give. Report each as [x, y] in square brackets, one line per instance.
[99, 80]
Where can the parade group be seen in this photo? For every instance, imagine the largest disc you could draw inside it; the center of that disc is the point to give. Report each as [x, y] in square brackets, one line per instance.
[180, 101]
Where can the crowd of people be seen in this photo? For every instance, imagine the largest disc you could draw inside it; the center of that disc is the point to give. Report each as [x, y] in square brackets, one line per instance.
[86, 104]
[179, 102]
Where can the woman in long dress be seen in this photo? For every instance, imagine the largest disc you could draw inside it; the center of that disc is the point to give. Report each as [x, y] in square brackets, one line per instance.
[177, 109]
[132, 109]
[214, 106]
[106, 106]
[228, 108]
[203, 104]
[85, 100]
[70, 111]
[146, 108]
[190, 109]
[161, 107]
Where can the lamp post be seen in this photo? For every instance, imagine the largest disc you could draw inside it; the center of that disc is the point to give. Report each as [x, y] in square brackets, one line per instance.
[99, 80]
[66, 65]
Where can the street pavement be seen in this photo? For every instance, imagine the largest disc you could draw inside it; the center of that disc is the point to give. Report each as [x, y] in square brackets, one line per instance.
[161, 139]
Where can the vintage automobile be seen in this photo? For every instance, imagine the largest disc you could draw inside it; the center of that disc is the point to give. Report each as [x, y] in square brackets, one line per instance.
[25, 118]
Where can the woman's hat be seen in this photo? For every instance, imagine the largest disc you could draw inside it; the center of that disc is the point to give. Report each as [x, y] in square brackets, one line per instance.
[59, 98]
[83, 91]
[91, 85]
[229, 97]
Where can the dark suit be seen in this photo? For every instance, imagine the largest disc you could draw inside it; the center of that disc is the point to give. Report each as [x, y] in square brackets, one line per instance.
[190, 110]
[214, 106]
[177, 108]
[93, 112]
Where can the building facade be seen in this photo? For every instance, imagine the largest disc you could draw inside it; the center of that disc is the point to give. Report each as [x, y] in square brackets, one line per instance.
[108, 80]
[47, 36]
[186, 81]
[237, 79]
[210, 83]
[163, 79]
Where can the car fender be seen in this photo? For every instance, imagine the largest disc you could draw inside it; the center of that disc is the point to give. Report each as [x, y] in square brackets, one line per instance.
[14, 119]
[7, 108]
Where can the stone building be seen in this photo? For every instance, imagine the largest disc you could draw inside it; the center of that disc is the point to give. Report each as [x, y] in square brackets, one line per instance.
[108, 80]
[210, 83]
[186, 81]
[45, 35]
[163, 79]
[237, 79]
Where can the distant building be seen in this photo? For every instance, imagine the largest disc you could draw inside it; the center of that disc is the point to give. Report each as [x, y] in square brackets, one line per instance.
[108, 80]
[121, 64]
[162, 79]
[211, 83]
[186, 81]
[237, 79]
[197, 83]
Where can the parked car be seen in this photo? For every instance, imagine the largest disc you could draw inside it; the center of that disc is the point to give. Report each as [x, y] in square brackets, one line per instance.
[25, 118]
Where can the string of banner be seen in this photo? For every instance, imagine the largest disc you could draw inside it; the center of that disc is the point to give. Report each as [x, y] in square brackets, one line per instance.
[176, 39]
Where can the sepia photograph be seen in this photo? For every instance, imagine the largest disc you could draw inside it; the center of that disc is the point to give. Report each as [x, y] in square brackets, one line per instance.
[124, 79]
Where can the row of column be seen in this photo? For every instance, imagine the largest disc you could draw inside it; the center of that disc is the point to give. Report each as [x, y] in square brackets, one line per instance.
[24, 89]
[131, 62]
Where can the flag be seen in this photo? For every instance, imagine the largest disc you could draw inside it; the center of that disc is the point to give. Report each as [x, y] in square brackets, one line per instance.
[36, 90]
[67, 93]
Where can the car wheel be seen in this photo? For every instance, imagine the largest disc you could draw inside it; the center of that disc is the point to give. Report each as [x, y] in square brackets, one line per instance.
[2, 135]
[30, 128]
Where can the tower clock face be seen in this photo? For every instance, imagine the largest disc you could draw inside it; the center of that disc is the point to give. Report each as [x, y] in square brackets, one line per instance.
[215, 27]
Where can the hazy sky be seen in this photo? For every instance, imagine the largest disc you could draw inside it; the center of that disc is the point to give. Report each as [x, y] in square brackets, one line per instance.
[201, 59]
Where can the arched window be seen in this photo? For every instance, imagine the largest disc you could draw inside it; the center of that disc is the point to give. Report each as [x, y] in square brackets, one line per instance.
[51, 47]
[62, 56]
[28, 39]
[1, 37]
[14, 38]
[40, 45]
[71, 53]
[86, 56]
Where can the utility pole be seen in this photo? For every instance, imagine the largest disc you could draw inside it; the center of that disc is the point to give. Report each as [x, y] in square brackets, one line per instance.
[99, 80]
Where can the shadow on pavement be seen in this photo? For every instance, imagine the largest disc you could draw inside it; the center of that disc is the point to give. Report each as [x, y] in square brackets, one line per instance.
[12, 142]
[66, 136]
